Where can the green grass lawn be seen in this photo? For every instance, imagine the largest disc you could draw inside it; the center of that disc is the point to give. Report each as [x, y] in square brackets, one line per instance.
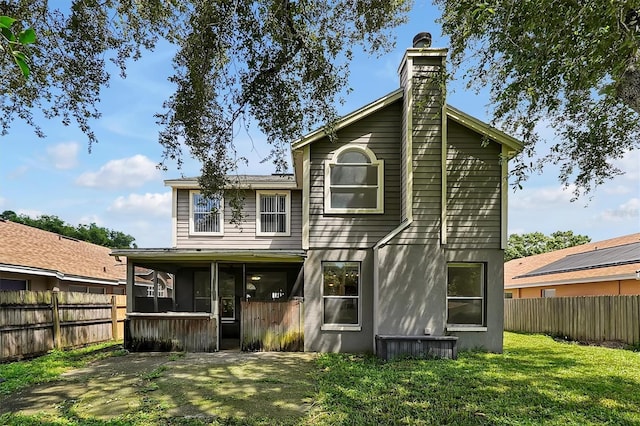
[536, 381]
[19, 375]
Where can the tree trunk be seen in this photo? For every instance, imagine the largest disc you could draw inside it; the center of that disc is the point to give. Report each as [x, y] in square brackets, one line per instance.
[628, 89]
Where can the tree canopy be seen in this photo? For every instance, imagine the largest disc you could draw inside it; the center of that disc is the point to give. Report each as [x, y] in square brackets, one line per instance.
[91, 233]
[280, 63]
[523, 245]
[574, 66]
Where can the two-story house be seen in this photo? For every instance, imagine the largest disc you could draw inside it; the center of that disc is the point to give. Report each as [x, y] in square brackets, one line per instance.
[397, 228]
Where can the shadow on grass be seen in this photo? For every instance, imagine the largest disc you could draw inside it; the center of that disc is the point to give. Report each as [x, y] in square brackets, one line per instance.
[164, 389]
[540, 381]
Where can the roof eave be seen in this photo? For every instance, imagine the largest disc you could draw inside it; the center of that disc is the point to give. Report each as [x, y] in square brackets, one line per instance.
[174, 254]
[350, 118]
[193, 184]
[484, 129]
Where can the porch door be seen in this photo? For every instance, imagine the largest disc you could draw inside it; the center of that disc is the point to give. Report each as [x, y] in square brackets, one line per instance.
[230, 292]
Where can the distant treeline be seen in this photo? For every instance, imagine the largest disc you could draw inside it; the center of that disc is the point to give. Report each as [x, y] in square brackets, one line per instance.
[91, 233]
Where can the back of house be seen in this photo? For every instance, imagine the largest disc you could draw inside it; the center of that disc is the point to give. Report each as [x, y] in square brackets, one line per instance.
[394, 230]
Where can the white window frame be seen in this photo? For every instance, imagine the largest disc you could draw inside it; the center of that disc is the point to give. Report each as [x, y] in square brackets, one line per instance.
[327, 181]
[26, 282]
[483, 298]
[548, 292]
[259, 213]
[339, 326]
[220, 213]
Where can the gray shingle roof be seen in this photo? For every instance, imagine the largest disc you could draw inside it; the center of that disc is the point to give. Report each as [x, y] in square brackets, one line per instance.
[597, 258]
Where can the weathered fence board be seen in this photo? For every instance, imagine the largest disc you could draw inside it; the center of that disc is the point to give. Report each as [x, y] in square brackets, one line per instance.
[590, 318]
[191, 332]
[33, 322]
[272, 326]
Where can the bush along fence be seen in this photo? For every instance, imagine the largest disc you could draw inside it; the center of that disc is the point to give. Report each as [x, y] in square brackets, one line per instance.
[34, 322]
[584, 318]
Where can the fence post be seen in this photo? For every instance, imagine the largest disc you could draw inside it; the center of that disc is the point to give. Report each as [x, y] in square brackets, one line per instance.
[56, 318]
[114, 318]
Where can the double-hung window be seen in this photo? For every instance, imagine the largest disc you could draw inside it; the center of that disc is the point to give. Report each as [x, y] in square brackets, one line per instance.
[354, 181]
[206, 214]
[341, 295]
[273, 213]
[466, 294]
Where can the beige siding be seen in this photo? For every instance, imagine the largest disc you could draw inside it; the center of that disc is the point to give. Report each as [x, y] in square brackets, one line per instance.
[381, 133]
[244, 235]
[473, 190]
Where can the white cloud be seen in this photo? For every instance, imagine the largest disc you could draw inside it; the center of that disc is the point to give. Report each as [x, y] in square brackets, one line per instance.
[143, 204]
[541, 198]
[630, 164]
[89, 219]
[617, 190]
[126, 172]
[18, 172]
[29, 212]
[64, 156]
[628, 210]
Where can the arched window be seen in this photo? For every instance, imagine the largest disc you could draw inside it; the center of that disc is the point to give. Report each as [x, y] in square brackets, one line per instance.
[354, 181]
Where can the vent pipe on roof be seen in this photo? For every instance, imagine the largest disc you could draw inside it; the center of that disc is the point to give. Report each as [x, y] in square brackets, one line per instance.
[422, 40]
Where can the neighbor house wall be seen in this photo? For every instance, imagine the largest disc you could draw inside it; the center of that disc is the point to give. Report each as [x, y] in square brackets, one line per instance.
[241, 236]
[604, 288]
[317, 340]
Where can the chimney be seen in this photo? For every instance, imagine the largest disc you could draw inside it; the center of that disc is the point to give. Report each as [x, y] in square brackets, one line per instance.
[423, 79]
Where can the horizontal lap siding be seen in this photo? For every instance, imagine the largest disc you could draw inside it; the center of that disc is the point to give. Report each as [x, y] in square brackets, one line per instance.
[426, 152]
[241, 236]
[473, 190]
[380, 132]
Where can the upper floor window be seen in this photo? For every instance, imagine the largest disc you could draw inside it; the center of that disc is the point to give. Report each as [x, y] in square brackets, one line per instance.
[273, 213]
[354, 181]
[205, 214]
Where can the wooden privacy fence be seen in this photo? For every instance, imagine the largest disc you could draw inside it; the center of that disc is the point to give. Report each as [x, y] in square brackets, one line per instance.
[34, 322]
[590, 318]
[272, 326]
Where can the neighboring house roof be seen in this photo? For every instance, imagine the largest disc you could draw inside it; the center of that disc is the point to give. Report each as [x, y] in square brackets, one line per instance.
[608, 260]
[284, 181]
[29, 250]
[454, 114]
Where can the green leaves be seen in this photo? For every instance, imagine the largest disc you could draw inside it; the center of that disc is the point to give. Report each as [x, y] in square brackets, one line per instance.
[523, 245]
[14, 44]
[570, 67]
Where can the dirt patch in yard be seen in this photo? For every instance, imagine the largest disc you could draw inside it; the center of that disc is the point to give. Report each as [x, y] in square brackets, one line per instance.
[203, 386]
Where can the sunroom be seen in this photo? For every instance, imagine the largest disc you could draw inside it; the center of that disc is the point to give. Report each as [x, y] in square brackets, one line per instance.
[200, 300]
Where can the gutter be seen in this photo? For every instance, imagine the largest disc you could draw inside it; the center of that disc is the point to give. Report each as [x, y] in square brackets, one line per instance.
[587, 280]
[56, 274]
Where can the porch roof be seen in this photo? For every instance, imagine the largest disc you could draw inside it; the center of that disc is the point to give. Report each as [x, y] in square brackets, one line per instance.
[186, 254]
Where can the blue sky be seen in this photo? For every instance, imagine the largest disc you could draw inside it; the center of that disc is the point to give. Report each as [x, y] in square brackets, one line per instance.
[118, 186]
